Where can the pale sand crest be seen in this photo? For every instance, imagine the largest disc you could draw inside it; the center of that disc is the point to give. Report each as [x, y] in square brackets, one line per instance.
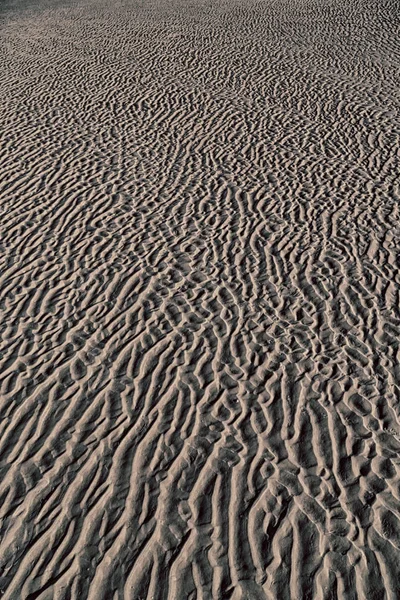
[199, 332]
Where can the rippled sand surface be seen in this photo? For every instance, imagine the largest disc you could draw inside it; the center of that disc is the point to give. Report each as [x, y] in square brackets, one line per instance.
[200, 300]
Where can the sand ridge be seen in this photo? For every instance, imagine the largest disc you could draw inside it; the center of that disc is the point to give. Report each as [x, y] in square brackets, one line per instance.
[199, 300]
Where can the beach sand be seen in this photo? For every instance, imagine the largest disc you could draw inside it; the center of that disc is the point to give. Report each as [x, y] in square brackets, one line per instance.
[199, 300]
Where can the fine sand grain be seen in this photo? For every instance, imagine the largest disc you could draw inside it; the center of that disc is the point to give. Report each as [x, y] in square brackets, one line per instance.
[200, 292]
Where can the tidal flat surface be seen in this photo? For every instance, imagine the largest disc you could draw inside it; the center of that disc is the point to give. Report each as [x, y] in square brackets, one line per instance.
[199, 300]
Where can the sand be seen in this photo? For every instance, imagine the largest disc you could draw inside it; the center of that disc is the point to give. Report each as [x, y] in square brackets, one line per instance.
[200, 293]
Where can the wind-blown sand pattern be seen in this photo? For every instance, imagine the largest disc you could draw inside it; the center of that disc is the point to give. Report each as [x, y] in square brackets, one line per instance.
[200, 315]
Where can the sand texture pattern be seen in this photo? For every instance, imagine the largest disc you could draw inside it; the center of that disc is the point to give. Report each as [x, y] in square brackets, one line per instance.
[200, 291]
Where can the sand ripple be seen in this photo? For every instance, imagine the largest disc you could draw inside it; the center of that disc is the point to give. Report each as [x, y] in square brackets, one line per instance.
[199, 274]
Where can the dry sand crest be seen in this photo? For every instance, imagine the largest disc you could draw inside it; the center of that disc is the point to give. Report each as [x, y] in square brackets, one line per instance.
[199, 298]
